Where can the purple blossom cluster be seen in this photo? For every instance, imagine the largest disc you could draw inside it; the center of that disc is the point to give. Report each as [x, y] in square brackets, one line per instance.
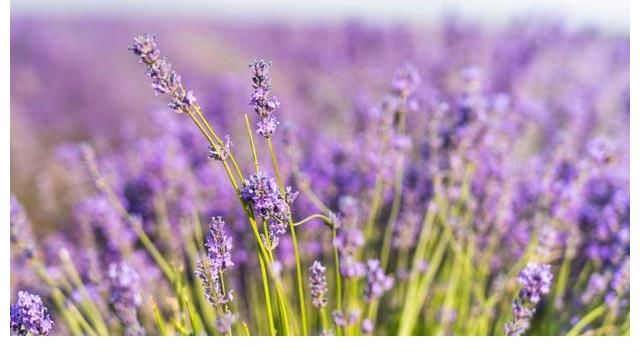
[218, 245]
[263, 103]
[126, 296]
[29, 316]
[377, 282]
[262, 193]
[318, 284]
[164, 79]
[535, 282]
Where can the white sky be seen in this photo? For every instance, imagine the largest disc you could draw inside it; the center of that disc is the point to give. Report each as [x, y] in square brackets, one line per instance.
[610, 15]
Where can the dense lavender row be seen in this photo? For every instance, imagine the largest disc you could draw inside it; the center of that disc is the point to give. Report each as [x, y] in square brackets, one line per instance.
[382, 181]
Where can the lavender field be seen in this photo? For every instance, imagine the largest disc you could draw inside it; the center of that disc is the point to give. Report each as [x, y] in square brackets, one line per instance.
[193, 178]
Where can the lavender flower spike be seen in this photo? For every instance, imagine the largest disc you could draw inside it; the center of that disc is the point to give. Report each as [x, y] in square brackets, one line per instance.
[164, 80]
[263, 103]
[535, 281]
[263, 195]
[29, 316]
[126, 296]
[318, 285]
[218, 245]
[377, 282]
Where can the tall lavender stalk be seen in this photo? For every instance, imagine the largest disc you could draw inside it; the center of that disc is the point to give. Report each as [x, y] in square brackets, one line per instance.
[535, 282]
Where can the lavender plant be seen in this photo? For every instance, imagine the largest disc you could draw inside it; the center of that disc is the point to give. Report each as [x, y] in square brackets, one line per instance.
[380, 197]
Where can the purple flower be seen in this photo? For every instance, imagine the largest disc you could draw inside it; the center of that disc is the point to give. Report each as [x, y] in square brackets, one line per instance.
[164, 80]
[535, 281]
[263, 104]
[225, 322]
[29, 316]
[405, 80]
[222, 152]
[318, 284]
[218, 245]
[126, 297]
[264, 196]
[21, 233]
[377, 282]
[367, 326]
[340, 319]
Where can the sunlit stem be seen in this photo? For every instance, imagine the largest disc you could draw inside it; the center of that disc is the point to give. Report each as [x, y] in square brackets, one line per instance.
[303, 313]
[311, 217]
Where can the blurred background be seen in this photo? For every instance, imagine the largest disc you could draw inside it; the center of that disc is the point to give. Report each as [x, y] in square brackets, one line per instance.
[72, 79]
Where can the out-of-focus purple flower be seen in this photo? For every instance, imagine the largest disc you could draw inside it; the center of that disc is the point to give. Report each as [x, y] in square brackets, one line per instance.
[377, 282]
[349, 240]
[405, 80]
[225, 322]
[126, 297]
[263, 103]
[21, 233]
[318, 284]
[29, 316]
[535, 281]
[218, 245]
[516, 327]
[342, 320]
[367, 326]
[263, 195]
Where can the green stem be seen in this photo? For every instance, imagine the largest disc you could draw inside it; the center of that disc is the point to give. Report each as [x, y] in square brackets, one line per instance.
[311, 217]
[587, 319]
[303, 313]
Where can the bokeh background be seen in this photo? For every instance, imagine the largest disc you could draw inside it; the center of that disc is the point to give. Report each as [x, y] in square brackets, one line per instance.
[72, 79]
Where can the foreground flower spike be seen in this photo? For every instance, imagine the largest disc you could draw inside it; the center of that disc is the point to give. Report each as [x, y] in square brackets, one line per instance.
[318, 284]
[535, 281]
[263, 195]
[126, 297]
[263, 103]
[377, 282]
[218, 245]
[29, 316]
[164, 79]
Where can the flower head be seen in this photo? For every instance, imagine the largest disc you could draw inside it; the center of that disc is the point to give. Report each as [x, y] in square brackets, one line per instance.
[318, 284]
[29, 316]
[124, 283]
[377, 282]
[405, 80]
[218, 245]
[263, 103]
[263, 195]
[164, 80]
[535, 281]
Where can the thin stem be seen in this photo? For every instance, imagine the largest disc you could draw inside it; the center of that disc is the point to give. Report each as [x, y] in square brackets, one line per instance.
[231, 157]
[267, 296]
[311, 217]
[303, 313]
[587, 319]
[253, 144]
